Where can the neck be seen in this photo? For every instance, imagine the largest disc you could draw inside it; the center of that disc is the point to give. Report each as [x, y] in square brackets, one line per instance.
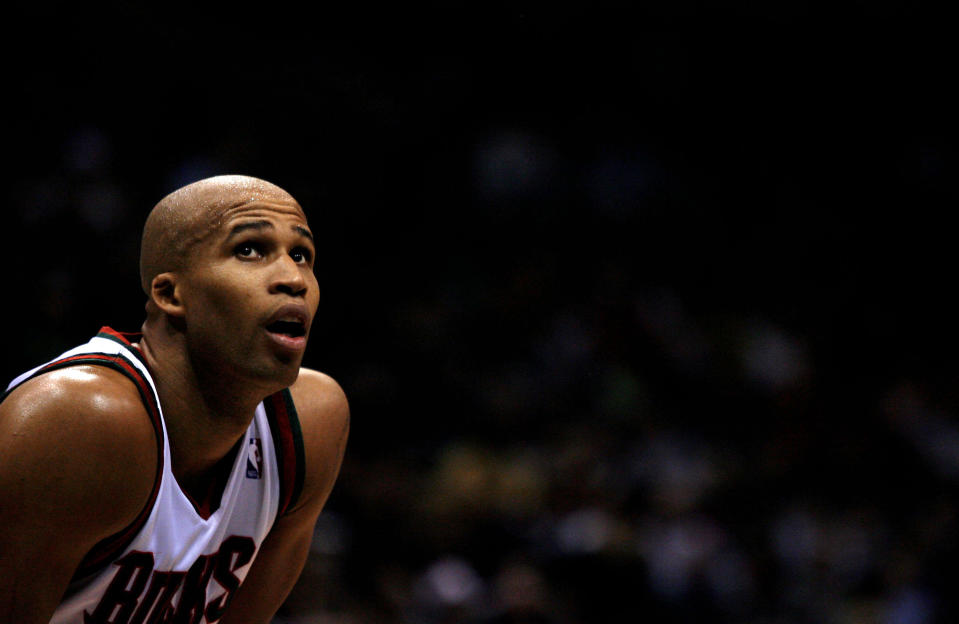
[205, 409]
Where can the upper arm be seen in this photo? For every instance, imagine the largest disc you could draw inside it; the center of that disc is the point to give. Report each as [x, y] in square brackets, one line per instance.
[325, 421]
[74, 469]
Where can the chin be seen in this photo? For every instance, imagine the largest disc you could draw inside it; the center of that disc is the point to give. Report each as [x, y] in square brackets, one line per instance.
[274, 375]
[290, 378]
[287, 372]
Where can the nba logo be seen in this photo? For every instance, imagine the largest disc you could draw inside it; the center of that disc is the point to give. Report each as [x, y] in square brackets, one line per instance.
[254, 459]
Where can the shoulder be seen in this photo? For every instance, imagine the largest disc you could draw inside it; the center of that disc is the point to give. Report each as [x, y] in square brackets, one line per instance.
[324, 415]
[82, 436]
[319, 396]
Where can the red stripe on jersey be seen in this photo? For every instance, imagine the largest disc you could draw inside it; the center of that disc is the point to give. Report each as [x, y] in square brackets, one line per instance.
[288, 442]
[123, 337]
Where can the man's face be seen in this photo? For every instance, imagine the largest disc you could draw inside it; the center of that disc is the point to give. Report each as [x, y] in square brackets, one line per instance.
[249, 292]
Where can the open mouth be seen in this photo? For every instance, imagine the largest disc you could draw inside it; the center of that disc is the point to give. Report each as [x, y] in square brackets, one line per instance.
[294, 329]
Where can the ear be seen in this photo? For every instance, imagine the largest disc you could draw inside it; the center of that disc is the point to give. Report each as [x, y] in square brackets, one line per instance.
[165, 294]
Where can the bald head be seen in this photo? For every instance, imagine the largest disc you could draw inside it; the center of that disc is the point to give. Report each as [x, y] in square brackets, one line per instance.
[190, 214]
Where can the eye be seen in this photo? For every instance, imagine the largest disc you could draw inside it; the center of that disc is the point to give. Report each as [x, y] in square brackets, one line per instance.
[247, 250]
[301, 255]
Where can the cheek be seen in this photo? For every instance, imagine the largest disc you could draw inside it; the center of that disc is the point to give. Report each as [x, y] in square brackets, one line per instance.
[234, 303]
[223, 298]
[314, 296]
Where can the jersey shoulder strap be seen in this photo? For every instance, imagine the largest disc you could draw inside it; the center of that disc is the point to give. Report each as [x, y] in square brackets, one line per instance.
[288, 442]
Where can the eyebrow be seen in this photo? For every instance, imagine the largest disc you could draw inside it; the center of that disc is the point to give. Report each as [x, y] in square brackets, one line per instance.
[305, 232]
[264, 225]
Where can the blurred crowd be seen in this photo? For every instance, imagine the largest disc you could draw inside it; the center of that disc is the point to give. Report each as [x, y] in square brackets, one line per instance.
[625, 358]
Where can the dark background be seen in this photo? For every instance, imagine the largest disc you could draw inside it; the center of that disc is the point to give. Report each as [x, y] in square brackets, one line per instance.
[643, 312]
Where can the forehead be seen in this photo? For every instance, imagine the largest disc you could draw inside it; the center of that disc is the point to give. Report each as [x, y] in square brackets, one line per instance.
[270, 204]
[271, 209]
[223, 211]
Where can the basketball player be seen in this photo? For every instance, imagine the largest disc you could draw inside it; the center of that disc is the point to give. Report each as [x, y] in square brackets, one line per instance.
[176, 475]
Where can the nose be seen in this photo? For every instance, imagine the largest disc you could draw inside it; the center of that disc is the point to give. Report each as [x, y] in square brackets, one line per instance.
[288, 278]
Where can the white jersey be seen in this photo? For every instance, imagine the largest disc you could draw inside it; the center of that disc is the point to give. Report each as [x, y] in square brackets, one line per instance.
[182, 560]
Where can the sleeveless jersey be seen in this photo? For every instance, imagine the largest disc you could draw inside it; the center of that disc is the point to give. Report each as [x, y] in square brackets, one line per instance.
[182, 561]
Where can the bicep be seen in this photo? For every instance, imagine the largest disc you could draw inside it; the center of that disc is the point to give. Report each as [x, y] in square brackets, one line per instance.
[46, 531]
[61, 493]
[37, 558]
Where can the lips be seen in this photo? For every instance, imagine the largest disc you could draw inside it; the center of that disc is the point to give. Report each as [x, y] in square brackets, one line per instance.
[289, 325]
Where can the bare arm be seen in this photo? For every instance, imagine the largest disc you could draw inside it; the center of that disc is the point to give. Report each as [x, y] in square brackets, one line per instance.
[74, 469]
[325, 421]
